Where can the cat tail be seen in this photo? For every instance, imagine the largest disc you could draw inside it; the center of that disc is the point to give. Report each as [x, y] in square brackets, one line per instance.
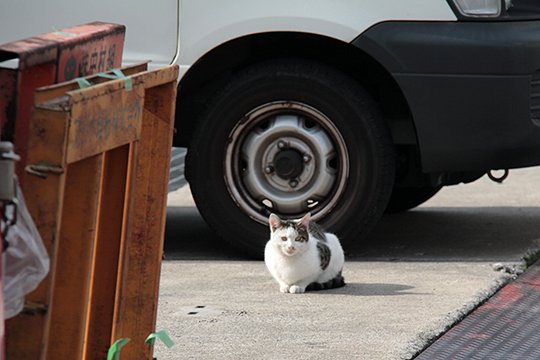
[337, 282]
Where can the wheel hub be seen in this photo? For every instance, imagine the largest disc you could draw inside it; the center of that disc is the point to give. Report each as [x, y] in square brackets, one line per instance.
[288, 158]
[289, 164]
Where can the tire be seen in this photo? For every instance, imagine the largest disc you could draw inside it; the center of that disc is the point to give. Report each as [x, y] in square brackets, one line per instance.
[404, 199]
[290, 136]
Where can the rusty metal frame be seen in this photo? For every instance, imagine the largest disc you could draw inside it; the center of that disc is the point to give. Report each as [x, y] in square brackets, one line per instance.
[101, 214]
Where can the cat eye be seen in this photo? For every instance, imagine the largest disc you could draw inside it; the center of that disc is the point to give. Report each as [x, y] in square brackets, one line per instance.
[284, 238]
[300, 239]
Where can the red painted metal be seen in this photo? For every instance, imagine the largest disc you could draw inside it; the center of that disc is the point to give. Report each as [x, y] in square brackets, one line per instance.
[506, 327]
[29, 79]
[2, 324]
[8, 81]
[47, 59]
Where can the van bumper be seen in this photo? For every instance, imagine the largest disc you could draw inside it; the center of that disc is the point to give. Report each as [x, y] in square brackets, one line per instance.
[473, 89]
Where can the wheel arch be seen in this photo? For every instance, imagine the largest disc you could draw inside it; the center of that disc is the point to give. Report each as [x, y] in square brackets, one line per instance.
[212, 70]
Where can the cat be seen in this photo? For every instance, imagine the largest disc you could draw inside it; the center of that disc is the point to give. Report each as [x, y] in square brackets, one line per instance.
[301, 256]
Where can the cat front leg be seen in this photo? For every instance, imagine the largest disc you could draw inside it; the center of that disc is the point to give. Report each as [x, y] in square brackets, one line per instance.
[296, 289]
[299, 287]
[284, 288]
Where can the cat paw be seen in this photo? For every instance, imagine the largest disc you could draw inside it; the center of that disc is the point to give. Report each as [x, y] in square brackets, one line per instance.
[284, 288]
[295, 289]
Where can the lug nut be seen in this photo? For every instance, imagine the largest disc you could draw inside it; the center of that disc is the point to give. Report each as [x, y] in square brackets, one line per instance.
[306, 158]
[269, 169]
[281, 144]
[293, 183]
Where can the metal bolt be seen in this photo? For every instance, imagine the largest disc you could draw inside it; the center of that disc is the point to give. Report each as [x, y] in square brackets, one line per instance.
[306, 158]
[293, 183]
[281, 144]
[269, 169]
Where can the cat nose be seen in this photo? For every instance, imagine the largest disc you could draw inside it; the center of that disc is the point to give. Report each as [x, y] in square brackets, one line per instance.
[291, 248]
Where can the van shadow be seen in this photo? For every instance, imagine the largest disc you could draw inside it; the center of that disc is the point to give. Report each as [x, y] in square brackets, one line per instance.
[423, 234]
[188, 237]
[452, 234]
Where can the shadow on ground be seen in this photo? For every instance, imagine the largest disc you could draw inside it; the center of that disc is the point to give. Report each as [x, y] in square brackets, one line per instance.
[369, 289]
[424, 234]
[188, 237]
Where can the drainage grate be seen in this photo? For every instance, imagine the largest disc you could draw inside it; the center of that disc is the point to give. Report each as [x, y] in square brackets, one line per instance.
[200, 311]
[506, 327]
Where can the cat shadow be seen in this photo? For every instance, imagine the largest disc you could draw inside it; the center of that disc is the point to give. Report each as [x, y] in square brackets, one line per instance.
[370, 289]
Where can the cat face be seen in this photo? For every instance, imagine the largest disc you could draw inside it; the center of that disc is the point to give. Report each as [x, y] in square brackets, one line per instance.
[290, 236]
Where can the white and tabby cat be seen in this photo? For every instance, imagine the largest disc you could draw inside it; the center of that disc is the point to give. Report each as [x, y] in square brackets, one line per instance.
[301, 256]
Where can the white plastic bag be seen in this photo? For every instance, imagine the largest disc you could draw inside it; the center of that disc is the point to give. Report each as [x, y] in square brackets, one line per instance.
[25, 261]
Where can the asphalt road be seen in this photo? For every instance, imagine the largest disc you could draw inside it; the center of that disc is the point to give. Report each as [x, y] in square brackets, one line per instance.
[420, 272]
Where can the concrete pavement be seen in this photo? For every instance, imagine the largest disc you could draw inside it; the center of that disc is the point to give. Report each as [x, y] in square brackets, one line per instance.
[233, 310]
[423, 270]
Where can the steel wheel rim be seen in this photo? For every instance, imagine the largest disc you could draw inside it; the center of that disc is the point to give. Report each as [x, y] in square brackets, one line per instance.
[286, 157]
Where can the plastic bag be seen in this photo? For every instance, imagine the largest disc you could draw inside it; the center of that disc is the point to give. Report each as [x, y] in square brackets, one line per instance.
[25, 261]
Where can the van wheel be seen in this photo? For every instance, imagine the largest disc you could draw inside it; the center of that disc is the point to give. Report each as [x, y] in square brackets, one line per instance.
[290, 137]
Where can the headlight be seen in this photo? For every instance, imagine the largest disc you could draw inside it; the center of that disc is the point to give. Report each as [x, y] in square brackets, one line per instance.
[482, 8]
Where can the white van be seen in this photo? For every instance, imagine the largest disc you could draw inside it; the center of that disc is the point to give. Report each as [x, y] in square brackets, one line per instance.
[344, 108]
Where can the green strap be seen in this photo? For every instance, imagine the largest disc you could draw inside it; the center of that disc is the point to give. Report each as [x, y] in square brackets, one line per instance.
[116, 74]
[63, 33]
[83, 83]
[161, 335]
[114, 350]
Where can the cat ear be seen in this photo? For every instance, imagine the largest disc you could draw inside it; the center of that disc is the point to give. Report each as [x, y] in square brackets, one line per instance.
[304, 221]
[274, 222]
